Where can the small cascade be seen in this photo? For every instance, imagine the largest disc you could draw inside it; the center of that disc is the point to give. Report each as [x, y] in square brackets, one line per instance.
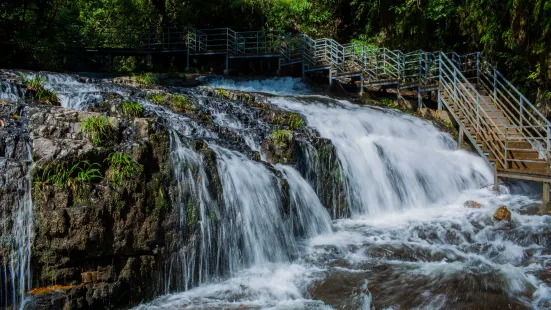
[309, 218]
[16, 271]
[195, 263]
[254, 230]
[388, 158]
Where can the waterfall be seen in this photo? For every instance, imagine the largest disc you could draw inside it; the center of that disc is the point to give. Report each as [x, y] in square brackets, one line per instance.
[257, 235]
[388, 158]
[16, 272]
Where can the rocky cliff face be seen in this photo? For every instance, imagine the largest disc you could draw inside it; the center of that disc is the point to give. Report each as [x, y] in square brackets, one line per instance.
[106, 230]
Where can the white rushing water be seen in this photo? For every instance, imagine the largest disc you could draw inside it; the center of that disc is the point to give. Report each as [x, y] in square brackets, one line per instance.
[275, 86]
[17, 272]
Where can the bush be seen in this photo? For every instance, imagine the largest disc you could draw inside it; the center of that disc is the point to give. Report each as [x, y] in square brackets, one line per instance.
[130, 108]
[99, 130]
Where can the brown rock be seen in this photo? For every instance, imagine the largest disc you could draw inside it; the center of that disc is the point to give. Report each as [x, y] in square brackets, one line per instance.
[471, 204]
[502, 214]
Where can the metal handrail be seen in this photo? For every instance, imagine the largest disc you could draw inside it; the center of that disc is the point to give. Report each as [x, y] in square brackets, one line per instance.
[503, 114]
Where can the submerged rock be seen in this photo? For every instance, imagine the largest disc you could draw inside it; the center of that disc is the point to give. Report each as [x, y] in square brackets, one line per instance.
[502, 214]
[472, 204]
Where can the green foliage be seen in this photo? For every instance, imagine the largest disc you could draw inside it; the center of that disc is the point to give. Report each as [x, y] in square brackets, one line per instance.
[130, 108]
[282, 137]
[222, 93]
[147, 79]
[35, 86]
[295, 121]
[99, 130]
[388, 102]
[72, 175]
[158, 98]
[122, 168]
[182, 103]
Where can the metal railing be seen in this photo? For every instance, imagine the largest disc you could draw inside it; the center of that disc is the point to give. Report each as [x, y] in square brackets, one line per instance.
[491, 110]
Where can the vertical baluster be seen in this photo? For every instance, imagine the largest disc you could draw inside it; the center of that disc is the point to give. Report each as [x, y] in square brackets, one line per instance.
[439, 80]
[495, 86]
[548, 149]
[521, 103]
[478, 69]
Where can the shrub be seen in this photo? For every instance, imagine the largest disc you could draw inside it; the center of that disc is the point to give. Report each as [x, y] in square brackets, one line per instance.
[295, 121]
[99, 130]
[130, 108]
[123, 168]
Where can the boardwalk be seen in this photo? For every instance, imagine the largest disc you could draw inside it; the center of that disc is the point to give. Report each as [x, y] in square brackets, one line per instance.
[501, 124]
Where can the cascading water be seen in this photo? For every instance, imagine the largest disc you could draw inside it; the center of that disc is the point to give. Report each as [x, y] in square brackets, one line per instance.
[16, 273]
[389, 159]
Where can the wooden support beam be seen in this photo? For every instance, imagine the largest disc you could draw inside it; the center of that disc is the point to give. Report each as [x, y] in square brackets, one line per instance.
[545, 194]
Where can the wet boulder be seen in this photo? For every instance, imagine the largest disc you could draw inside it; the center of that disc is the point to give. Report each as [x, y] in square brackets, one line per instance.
[502, 214]
[471, 204]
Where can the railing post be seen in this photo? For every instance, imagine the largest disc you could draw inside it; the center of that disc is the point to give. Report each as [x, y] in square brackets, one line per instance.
[420, 67]
[439, 80]
[455, 83]
[478, 70]
[384, 62]
[495, 85]
[548, 149]
[520, 112]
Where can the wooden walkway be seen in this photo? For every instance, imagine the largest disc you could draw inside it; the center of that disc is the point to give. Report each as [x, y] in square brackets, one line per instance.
[502, 125]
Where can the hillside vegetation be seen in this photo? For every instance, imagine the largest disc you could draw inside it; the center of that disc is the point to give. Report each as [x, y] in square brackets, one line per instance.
[514, 34]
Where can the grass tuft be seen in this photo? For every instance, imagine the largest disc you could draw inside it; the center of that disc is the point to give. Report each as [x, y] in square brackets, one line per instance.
[123, 168]
[130, 108]
[35, 86]
[147, 79]
[99, 130]
[181, 103]
[72, 175]
[158, 98]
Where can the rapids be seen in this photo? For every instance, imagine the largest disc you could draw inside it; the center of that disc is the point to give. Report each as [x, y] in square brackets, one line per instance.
[408, 244]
